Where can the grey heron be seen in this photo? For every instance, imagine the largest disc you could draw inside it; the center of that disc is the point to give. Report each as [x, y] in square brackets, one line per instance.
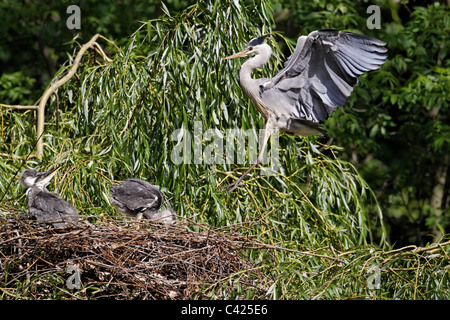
[138, 198]
[316, 79]
[44, 206]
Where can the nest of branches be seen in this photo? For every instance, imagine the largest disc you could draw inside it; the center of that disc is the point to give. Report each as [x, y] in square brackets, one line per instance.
[118, 260]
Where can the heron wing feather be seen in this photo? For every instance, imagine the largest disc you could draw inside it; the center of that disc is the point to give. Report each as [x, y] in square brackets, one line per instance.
[137, 195]
[48, 207]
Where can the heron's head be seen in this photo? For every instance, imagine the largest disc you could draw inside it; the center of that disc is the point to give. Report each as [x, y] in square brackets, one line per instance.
[255, 46]
[37, 179]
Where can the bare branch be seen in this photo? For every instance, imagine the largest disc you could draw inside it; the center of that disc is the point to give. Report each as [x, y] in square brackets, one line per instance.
[19, 107]
[50, 90]
[54, 86]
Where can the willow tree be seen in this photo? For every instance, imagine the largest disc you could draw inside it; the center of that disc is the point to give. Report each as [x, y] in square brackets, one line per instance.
[168, 100]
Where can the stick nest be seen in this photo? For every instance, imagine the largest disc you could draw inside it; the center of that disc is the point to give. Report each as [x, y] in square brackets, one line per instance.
[117, 260]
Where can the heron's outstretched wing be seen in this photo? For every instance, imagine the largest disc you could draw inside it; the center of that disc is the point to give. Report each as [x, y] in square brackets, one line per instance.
[137, 195]
[321, 73]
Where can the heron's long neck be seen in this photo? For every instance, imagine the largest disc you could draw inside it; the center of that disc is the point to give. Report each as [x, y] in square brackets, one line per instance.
[245, 74]
[250, 85]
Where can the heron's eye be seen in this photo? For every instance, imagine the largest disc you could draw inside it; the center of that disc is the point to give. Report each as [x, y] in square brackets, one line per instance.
[250, 48]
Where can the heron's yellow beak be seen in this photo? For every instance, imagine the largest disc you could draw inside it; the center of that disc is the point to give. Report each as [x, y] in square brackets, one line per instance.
[46, 177]
[243, 53]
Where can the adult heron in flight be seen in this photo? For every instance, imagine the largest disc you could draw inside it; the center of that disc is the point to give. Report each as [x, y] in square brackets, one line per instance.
[137, 199]
[316, 79]
[44, 206]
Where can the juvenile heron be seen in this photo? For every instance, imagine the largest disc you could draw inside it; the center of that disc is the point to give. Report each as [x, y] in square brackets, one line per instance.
[137, 198]
[316, 79]
[44, 206]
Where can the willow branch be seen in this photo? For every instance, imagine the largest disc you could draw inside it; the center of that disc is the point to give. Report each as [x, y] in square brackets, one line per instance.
[50, 90]
[18, 107]
[306, 253]
[415, 249]
[57, 84]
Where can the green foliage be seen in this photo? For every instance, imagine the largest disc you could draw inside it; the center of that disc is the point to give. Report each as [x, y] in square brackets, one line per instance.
[15, 88]
[395, 127]
[119, 120]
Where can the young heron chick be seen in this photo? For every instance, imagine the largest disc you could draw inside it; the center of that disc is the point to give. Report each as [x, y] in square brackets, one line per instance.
[137, 199]
[44, 206]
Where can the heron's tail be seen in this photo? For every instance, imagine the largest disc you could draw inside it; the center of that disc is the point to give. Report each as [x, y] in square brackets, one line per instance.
[304, 128]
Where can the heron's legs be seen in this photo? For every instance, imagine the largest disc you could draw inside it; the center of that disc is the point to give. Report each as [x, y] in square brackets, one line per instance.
[266, 135]
[138, 218]
[139, 215]
[234, 185]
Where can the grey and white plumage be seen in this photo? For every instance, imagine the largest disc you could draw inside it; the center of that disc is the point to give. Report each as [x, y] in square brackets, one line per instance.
[140, 199]
[316, 79]
[44, 206]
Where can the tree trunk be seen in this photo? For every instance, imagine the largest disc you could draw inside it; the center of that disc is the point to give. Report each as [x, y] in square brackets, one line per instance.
[437, 195]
